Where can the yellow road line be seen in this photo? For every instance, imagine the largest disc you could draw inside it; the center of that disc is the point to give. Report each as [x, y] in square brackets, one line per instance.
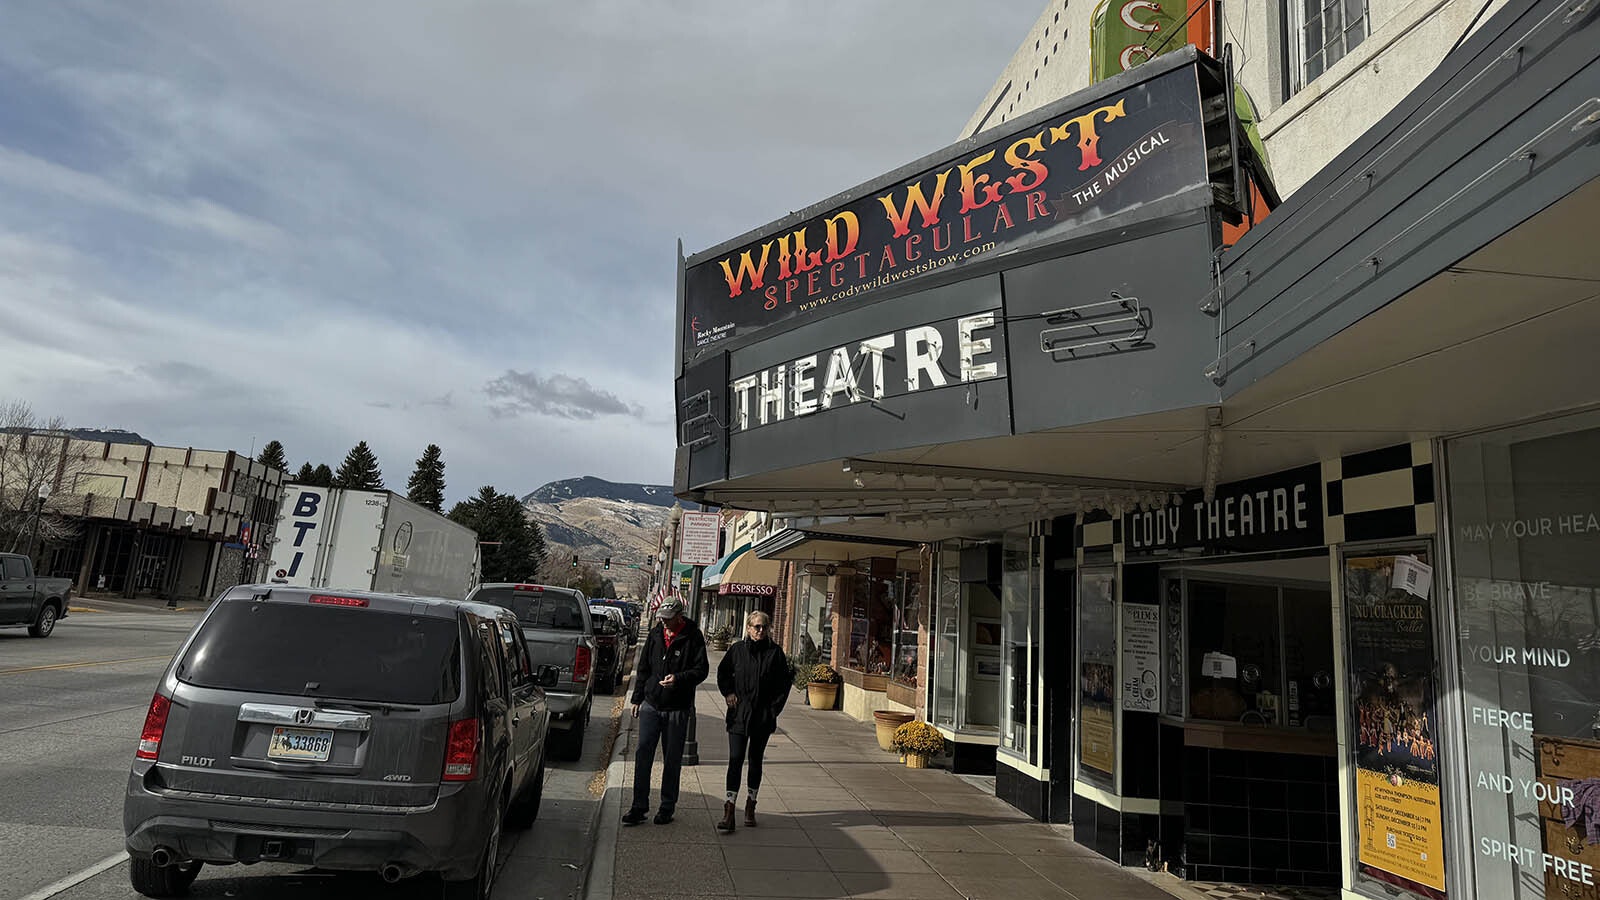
[79, 665]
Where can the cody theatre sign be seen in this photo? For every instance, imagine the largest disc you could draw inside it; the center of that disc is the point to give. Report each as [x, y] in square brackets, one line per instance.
[1107, 155]
[1282, 511]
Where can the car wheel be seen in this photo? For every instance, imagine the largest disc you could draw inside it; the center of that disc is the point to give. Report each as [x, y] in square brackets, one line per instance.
[152, 880]
[525, 809]
[607, 685]
[481, 884]
[46, 622]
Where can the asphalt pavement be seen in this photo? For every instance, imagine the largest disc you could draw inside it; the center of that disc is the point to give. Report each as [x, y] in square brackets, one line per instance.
[71, 706]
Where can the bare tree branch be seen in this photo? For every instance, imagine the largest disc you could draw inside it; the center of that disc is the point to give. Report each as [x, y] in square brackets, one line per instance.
[35, 454]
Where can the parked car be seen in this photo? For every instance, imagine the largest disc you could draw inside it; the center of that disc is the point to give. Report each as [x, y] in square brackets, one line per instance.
[27, 600]
[345, 731]
[630, 627]
[610, 647]
[556, 622]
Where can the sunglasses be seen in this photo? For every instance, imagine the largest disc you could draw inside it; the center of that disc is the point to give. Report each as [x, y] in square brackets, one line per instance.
[757, 627]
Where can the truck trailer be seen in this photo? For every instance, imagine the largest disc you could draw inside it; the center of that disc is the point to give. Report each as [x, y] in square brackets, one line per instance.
[370, 541]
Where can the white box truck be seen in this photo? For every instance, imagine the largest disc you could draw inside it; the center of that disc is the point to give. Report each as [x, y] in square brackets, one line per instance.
[370, 541]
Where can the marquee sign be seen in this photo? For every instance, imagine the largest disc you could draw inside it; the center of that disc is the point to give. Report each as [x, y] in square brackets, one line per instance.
[1033, 186]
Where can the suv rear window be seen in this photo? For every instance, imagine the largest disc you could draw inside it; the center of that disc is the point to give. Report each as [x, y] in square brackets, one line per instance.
[326, 651]
[538, 609]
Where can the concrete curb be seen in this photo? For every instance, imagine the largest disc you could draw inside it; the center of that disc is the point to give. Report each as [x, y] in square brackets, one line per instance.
[599, 881]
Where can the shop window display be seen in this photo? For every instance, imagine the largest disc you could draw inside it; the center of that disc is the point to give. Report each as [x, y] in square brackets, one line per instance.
[1019, 616]
[907, 609]
[1524, 529]
[813, 624]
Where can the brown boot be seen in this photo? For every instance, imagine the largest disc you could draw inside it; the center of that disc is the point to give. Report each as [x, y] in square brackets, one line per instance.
[726, 824]
[749, 812]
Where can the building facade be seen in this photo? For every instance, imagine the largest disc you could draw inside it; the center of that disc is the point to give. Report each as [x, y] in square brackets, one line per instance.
[143, 520]
[1250, 553]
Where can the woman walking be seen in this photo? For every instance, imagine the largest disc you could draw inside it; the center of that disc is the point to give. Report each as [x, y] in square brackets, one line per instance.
[754, 678]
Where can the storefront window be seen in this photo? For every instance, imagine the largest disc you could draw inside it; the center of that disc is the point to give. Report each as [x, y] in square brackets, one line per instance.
[947, 630]
[872, 607]
[1260, 654]
[907, 609]
[813, 624]
[1524, 526]
[1234, 661]
[1097, 675]
[1018, 611]
[981, 658]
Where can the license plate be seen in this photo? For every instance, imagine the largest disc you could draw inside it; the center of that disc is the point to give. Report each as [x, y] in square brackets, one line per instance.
[300, 744]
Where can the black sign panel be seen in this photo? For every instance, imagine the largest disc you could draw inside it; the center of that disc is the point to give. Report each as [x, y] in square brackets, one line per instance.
[1115, 153]
[1282, 511]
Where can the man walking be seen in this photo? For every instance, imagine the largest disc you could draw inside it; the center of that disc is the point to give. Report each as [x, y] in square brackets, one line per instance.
[672, 663]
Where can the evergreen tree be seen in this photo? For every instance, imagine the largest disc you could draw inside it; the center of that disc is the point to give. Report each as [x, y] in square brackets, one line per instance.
[517, 545]
[272, 455]
[322, 477]
[307, 474]
[359, 471]
[426, 487]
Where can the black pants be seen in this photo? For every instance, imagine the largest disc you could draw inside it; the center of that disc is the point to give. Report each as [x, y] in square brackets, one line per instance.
[669, 728]
[737, 745]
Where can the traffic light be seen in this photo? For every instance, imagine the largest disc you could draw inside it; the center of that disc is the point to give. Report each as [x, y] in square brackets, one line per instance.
[606, 564]
[574, 560]
[650, 561]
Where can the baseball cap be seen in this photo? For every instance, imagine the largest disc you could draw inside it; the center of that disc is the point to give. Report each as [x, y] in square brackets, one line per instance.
[668, 609]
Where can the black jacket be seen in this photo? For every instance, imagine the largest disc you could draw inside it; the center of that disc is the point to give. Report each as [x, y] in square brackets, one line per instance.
[759, 677]
[686, 659]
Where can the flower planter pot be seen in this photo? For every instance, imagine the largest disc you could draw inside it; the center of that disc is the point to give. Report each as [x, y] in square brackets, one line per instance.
[822, 695]
[916, 761]
[887, 721]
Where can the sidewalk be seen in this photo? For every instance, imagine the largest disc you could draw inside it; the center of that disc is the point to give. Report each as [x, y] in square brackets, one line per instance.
[841, 818]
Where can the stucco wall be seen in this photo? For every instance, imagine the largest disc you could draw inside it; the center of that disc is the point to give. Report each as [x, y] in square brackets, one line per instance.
[1303, 133]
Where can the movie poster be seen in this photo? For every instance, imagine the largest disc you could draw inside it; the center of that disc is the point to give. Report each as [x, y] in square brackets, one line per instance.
[1389, 627]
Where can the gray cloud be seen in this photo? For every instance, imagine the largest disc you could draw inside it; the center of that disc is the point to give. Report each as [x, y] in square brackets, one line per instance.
[560, 395]
[339, 210]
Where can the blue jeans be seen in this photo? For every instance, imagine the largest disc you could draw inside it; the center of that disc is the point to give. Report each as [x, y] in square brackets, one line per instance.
[669, 728]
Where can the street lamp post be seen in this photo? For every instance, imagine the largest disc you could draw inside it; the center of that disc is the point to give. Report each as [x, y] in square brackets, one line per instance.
[38, 513]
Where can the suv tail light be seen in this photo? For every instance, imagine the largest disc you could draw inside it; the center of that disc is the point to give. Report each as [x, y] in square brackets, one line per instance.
[580, 664]
[461, 750]
[155, 725]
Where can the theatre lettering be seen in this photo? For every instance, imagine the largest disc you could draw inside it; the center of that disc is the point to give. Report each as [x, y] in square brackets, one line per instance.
[901, 362]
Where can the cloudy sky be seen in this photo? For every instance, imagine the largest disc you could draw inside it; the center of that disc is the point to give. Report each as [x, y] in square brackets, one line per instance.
[409, 222]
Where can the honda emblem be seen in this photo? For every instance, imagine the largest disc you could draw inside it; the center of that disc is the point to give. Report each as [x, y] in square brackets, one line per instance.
[302, 716]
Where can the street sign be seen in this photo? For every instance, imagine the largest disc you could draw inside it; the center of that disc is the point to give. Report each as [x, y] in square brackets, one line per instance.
[697, 543]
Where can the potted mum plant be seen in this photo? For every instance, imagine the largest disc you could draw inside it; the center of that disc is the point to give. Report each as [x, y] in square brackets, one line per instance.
[823, 689]
[719, 637]
[917, 741]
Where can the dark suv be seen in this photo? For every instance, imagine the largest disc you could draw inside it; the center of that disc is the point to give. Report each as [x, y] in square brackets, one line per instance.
[346, 731]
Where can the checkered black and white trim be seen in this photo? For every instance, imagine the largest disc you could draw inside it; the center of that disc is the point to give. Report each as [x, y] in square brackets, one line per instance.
[1379, 494]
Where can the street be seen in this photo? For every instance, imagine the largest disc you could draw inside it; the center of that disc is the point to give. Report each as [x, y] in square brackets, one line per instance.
[71, 707]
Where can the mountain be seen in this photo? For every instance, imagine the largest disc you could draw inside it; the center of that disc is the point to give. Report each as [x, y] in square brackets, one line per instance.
[598, 488]
[595, 518]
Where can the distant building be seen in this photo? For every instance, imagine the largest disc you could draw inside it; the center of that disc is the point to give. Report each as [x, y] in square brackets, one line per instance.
[143, 520]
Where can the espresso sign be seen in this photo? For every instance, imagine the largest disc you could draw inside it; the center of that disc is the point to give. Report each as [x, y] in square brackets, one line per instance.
[1282, 511]
[1106, 156]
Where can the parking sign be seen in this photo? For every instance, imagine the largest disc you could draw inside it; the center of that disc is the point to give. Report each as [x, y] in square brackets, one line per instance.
[697, 541]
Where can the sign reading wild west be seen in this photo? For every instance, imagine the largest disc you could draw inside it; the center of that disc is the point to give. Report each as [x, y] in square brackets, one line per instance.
[1116, 153]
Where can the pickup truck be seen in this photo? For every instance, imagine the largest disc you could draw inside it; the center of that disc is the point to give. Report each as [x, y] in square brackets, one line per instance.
[559, 632]
[25, 600]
